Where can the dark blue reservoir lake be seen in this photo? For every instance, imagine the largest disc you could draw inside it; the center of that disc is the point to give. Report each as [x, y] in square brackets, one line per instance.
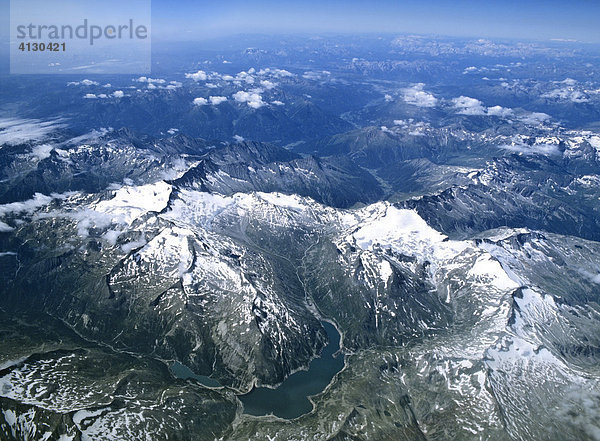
[289, 399]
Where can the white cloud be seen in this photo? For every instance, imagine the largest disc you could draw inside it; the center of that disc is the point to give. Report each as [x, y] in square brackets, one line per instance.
[526, 149]
[42, 151]
[150, 80]
[568, 81]
[468, 106]
[253, 99]
[85, 82]
[412, 127]
[173, 85]
[277, 103]
[118, 94]
[267, 84]
[197, 76]
[535, 118]
[566, 94]
[499, 111]
[245, 77]
[388, 98]
[130, 246]
[276, 73]
[94, 134]
[28, 206]
[472, 106]
[5, 228]
[15, 131]
[111, 236]
[316, 75]
[238, 138]
[416, 96]
[213, 100]
[216, 100]
[90, 96]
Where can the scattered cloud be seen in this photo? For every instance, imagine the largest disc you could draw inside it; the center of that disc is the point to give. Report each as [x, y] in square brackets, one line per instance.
[503, 112]
[316, 75]
[238, 138]
[92, 135]
[276, 73]
[118, 94]
[245, 77]
[471, 106]
[542, 149]
[411, 127]
[468, 106]
[253, 99]
[567, 94]
[568, 81]
[41, 151]
[197, 76]
[213, 100]
[15, 131]
[534, 118]
[5, 228]
[85, 82]
[416, 96]
[267, 84]
[28, 206]
[216, 100]
[150, 80]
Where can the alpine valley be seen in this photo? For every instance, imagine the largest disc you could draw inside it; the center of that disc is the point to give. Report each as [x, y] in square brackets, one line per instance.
[333, 238]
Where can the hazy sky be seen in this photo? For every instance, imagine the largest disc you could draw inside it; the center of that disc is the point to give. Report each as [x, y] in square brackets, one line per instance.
[535, 19]
[525, 19]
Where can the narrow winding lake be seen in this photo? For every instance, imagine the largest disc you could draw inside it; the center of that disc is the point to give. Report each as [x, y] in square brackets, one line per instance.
[182, 371]
[290, 399]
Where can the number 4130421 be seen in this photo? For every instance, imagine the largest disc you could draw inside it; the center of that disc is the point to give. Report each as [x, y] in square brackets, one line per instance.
[40, 47]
